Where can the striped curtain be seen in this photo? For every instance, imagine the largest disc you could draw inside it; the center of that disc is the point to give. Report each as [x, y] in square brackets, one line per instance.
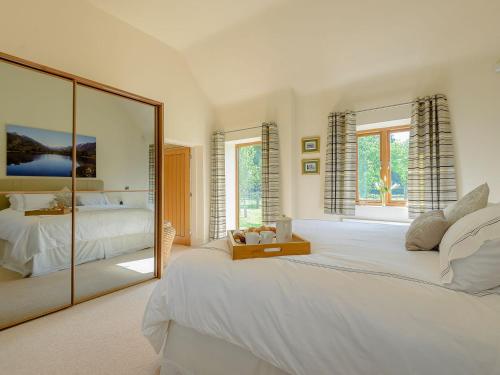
[431, 165]
[152, 175]
[341, 158]
[217, 227]
[270, 173]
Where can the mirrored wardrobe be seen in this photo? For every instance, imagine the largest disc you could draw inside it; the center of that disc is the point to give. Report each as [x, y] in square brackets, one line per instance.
[80, 190]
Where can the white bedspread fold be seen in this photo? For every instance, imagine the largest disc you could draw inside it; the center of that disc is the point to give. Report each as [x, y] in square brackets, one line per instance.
[355, 306]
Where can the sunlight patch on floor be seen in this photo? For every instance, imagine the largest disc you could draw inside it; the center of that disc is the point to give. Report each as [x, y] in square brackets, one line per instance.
[146, 265]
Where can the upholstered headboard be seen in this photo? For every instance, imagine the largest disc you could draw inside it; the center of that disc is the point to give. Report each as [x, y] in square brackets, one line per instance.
[43, 184]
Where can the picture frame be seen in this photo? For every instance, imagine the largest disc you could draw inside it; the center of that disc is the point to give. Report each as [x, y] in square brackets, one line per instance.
[310, 166]
[38, 152]
[310, 144]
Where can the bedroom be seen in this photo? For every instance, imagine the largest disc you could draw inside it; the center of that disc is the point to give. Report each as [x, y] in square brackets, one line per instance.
[234, 65]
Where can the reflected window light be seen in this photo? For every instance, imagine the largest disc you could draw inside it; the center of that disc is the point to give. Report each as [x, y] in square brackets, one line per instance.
[141, 265]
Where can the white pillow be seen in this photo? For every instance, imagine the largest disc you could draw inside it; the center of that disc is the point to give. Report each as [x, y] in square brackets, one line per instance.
[114, 198]
[92, 199]
[470, 252]
[36, 201]
[16, 201]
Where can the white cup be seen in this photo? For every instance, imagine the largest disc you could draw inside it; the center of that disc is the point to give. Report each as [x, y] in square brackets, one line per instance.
[252, 238]
[267, 236]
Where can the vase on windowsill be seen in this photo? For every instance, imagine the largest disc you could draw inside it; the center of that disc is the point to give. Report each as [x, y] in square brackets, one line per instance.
[384, 190]
[383, 199]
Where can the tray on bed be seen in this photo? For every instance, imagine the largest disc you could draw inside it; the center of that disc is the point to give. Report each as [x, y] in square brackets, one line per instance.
[48, 211]
[298, 246]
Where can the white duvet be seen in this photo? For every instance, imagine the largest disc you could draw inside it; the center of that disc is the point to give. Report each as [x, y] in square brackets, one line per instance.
[360, 304]
[31, 236]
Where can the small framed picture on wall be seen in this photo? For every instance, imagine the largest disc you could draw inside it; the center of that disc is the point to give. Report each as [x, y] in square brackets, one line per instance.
[310, 144]
[310, 166]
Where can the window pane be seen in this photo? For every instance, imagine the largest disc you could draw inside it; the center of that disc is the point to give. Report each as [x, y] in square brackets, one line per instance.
[249, 185]
[368, 167]
[399, 165]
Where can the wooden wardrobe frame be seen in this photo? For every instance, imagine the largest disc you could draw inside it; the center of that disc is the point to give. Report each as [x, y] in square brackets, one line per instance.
[159, 140]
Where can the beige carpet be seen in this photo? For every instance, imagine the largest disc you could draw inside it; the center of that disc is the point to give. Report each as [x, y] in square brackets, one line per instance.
[101, 336]
[31, 296]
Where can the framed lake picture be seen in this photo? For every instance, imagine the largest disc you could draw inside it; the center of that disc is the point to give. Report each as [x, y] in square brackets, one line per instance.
[310, 166]
[41, 152]
[310, 144]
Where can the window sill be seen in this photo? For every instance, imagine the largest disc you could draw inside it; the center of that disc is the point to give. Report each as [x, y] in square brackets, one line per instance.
[374, 220]
[386, 213]
[379, 204]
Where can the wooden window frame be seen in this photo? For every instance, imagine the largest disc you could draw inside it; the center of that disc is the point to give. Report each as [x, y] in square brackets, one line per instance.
[385, 163]
[238, 146]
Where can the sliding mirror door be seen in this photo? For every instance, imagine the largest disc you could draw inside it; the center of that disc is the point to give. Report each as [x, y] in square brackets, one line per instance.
[36, 125]
[115, 217]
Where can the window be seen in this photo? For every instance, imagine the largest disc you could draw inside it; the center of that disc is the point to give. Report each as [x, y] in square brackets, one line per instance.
[248, 185]
[383, 166]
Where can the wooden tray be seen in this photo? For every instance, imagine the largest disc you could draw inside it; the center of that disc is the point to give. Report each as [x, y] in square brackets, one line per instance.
[298, 246]
[48, 211]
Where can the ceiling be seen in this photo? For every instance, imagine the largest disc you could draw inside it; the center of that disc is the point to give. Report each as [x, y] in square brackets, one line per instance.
[242, 49]
[182, 23]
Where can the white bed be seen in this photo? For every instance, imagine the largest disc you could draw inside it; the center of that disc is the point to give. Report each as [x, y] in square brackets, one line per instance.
[36, 245]
[360, 304]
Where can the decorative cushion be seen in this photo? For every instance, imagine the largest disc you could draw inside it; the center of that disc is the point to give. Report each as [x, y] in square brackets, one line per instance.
[64, 197]
[471, 202]
[426, 231]
[470, 252]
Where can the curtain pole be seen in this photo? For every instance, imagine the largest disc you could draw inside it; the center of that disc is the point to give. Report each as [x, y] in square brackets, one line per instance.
[240, 130]
[384, 107]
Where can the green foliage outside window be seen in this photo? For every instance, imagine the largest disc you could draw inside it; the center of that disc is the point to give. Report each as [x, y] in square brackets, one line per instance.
[400, 142]
[369, 166]
[250, 185]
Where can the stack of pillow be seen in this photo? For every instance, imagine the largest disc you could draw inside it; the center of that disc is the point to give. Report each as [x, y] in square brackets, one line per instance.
[28, 202]
[467, 234]
[37, 201]
[92, 199]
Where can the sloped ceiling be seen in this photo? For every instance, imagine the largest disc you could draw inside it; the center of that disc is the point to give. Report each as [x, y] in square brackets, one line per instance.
[182, 23]
[242, 49]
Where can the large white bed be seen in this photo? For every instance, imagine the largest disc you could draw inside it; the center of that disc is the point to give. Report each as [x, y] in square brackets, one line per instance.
[359, 304]
[36, 245]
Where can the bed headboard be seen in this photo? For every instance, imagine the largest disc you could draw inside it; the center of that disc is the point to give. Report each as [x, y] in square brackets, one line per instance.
[44, 184]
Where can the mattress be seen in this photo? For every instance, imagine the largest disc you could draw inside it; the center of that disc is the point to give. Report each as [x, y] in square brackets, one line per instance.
[189, 352]
[359, 304]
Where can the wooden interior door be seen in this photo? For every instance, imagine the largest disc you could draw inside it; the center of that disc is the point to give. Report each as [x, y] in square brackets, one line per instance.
[177, 192]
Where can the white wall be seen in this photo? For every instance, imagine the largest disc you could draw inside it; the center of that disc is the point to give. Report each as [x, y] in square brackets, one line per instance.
[473, 90]
[76, 37]
[50, 103]
[124, 130]
[278, 107]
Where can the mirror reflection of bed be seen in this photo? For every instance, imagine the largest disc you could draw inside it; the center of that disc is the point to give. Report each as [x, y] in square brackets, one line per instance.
[120, 233]
[126, 227]
[114, 222]
[114, 241]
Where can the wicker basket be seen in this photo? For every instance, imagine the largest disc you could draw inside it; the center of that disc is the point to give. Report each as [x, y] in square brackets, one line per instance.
[168, 240]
